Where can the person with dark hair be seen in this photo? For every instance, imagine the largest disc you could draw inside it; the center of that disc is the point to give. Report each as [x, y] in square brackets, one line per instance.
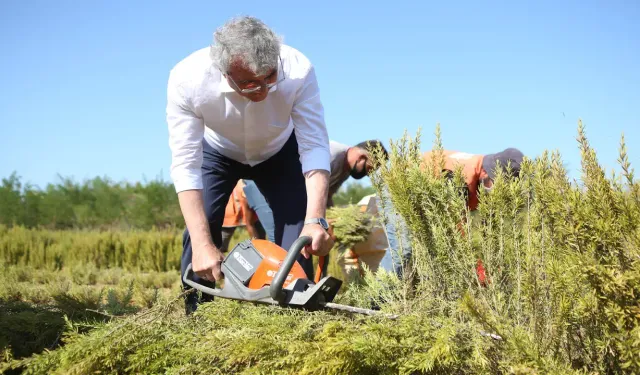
[350, 161]
[354, 161]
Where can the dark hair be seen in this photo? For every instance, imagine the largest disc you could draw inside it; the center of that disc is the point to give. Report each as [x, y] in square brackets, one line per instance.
[371, 145]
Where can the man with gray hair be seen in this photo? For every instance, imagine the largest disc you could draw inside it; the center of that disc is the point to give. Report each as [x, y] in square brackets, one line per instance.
[247, 107]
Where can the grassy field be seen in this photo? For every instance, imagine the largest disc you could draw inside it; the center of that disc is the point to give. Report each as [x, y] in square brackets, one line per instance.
[36, 303]
[562, 294]
[57, 279]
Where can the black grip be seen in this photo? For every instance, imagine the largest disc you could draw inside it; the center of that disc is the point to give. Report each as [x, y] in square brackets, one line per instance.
[275, 290]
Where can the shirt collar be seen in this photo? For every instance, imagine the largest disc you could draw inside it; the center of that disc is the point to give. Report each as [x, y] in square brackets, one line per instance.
[224, 85]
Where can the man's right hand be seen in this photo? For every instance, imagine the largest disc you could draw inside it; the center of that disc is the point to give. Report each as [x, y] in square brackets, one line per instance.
[206, 259]
[206, 262]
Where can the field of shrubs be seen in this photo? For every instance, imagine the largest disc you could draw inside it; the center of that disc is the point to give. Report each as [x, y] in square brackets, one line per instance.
[562, 295]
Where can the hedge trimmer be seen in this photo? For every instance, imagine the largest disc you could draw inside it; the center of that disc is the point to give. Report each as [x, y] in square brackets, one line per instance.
[260, 271]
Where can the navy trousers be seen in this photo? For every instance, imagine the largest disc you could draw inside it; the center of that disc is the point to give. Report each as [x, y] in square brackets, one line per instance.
[281, 182]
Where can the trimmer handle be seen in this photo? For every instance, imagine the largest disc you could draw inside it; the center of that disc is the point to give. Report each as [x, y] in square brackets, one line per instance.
[275, 289]
[188, 279]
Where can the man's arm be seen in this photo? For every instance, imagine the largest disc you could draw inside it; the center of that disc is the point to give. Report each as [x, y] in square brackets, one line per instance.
[317, 182]
[186, 131]
[313, 146]
[192, 207]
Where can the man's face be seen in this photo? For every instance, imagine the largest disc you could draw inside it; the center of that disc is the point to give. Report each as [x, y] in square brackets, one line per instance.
[239, 78]
[359, 163]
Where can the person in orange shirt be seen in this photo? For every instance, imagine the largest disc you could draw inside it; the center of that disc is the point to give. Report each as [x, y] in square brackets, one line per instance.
[239, 214]
[479, 172]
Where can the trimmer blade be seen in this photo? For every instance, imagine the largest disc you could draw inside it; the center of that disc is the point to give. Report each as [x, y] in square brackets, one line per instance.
[358, 310]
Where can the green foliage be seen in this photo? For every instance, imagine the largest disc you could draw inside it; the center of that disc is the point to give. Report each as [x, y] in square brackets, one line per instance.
[351, 193]
[563, 260]
[227, 337]
[27, 329]
[156, 250]
[35, 304]
[350, 225]
[96, 203]
[562, 297]
[100, 203]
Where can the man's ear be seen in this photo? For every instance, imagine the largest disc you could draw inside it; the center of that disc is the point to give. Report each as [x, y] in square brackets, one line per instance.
[349, 156]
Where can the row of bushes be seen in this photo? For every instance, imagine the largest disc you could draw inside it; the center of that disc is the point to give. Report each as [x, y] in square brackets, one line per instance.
[100, 203]
[156, 250]
[95, 203]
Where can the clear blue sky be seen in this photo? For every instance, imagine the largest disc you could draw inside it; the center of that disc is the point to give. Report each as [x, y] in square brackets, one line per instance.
[83, 83]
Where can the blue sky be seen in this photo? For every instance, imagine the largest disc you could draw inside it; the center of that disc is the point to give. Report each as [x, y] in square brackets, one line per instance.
[84, 82]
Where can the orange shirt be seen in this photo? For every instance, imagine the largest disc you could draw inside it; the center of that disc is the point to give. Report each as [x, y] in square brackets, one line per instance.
[471, 169]
[234, 215]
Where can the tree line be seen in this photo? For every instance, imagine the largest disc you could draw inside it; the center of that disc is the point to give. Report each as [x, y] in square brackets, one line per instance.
[101, 203]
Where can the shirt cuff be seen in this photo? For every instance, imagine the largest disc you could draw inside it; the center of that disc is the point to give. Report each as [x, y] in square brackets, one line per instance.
[190, 179]
[317, 158]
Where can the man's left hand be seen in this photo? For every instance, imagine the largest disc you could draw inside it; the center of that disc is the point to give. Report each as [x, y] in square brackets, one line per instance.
[321, 242]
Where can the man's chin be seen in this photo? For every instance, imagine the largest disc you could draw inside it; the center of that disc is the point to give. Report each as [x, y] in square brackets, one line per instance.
[256, 97]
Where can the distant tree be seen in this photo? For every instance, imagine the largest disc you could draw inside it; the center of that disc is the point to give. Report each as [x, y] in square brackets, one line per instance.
[100, 203]
[96, 203]
[11, 207]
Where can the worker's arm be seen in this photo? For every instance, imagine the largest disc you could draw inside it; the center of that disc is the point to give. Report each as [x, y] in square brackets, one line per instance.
[317, 183]
[313, 146]
[249, 218]
[206, 258]
[186, 131]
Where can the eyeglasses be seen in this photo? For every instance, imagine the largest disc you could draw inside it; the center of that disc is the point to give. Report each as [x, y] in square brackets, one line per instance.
[259, 84]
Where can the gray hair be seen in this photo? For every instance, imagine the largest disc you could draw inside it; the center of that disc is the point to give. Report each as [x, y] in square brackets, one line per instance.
[249, 40]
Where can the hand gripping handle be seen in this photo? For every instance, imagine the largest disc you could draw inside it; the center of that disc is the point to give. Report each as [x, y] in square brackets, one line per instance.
[275, 289]
[188, 279]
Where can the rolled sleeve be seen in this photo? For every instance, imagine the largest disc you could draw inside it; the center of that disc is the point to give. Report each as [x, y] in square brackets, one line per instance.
[186, 131]
[315, 159]
[310, 128]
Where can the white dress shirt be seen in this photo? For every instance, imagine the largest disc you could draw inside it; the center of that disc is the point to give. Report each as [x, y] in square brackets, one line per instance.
[200, 103]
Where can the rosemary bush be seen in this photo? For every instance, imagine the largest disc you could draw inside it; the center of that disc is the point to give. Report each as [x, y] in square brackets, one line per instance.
[153, 250]
[563, 293]
[350, 225]
[562, 258]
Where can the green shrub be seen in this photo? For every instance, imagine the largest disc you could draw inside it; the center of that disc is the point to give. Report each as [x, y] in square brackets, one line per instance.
[153, 250]
[34, 303]
[563, 292]
[563, 259]
[350, 225]
[228, 337]
[27, 329]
